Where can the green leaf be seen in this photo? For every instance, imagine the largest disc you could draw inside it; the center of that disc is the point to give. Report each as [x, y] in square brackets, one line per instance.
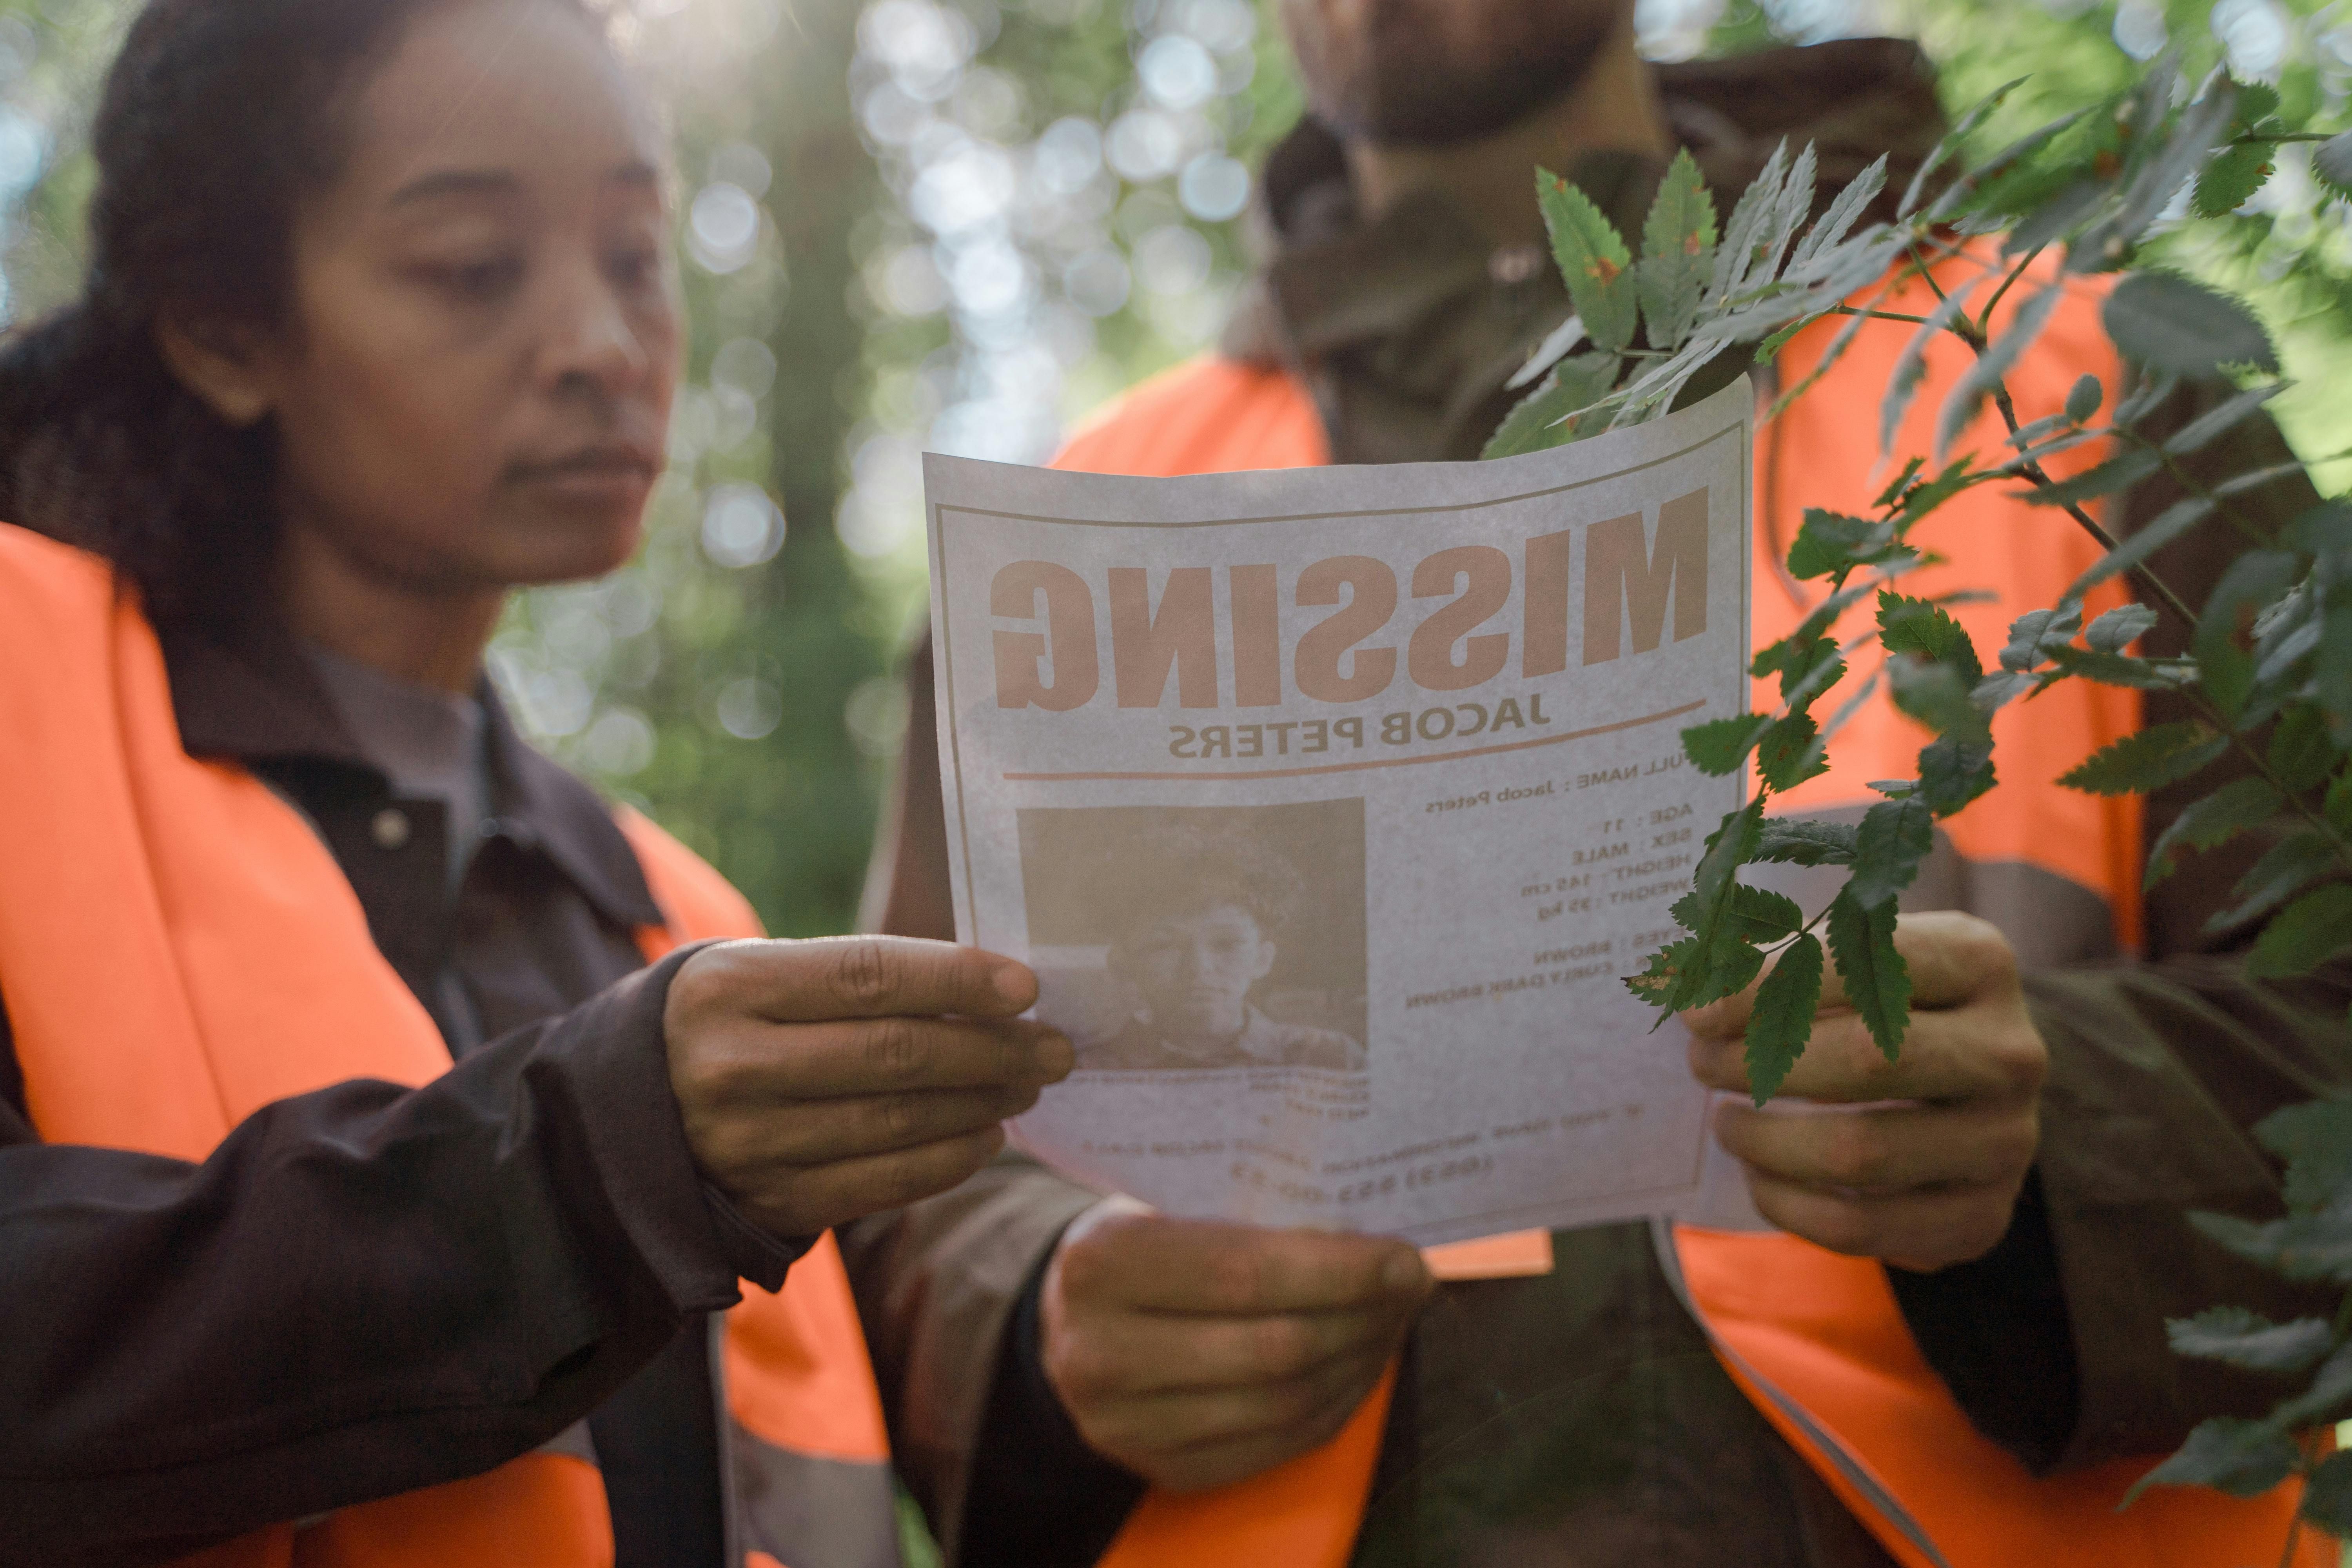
[1782, 1019]
[1805, 841]
[1911, 365]
[1938, 695]
[2166, 321]
[1907, 625]
[1592, 260]
[1790, 753]
[2327, 1495]
[2224, 416]
[1751, 217]
[2158, 179]
[2161, 531]
[1926, 496]
[2300, 751]
[1893, 838]
[1677, 252]
[2149, 760]
[2241, 1337]
[1987, 369]
[1540, 419]
[1762, 917]
[1968, 126]
[1828, 541]
[2314, 1141]
[1657, 979]
[1878, 981]
[2115, 474]
[1718, 746]
[2083, 400]
[2214, 820]
[2226, 670]
[2329, 1398]
[2229, 1454]
[1899, 483]
[2117, 629]
[2309, 931]
[1824, 241]
[2332, 161]
[2234, 175]
[1717, 960]
[2287, 867]
[2033, 634]
[1807, 668]
[1955, 770]
[2115, 669]
[2339, 807]
[2325, 530]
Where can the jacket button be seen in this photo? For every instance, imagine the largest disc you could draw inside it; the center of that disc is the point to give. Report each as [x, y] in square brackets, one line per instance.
[389, 829]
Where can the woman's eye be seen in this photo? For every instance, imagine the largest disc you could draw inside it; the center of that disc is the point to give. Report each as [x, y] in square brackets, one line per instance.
[476, 280]
[639, 268]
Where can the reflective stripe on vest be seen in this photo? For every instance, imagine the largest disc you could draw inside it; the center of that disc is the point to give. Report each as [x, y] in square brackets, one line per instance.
[172, 934]
[1814, 1340]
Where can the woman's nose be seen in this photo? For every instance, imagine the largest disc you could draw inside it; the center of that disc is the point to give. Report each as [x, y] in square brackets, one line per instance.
[593, 339]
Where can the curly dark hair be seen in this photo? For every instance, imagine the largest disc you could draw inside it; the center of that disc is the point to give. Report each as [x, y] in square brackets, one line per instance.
[219, 117]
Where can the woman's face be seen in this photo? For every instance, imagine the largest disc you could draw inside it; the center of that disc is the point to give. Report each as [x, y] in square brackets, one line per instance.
[474, 389]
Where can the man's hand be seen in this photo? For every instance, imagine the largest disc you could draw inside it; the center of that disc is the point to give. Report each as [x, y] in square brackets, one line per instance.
[1923, 1183]
[1196, 1354]
[822, 1081]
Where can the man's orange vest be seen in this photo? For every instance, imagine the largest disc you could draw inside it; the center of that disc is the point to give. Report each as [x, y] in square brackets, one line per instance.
[1815, 1340]
[180, 949]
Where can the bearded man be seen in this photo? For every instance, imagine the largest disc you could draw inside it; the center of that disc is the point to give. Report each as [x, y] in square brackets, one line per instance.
[1963, 1342]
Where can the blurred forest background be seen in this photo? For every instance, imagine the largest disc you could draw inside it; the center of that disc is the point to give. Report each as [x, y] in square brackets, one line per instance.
[960, 224]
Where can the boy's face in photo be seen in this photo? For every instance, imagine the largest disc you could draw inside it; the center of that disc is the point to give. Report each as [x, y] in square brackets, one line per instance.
[1194, 970]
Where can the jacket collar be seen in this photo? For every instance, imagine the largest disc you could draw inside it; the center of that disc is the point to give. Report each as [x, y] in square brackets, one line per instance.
[250, 697]
[1407, 326]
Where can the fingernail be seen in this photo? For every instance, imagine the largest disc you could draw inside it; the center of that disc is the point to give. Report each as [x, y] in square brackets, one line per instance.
[1403, 1272]
[1012, 984]
[1057, 1055]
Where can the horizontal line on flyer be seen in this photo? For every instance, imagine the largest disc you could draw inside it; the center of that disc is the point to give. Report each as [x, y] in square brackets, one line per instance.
[1369, 762]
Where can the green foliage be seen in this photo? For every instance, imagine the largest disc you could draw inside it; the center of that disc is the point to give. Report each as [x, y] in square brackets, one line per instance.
[1721, 745]
[1594, 261]
[1878, 981]
[2147, 760]
[1546, 417]
[2305, 934]
[2171, 324]
[2242, 1338]
[1783, 1015]
[2313, 1242]
[2237, 806]
[1678, 253]
[2274, 647]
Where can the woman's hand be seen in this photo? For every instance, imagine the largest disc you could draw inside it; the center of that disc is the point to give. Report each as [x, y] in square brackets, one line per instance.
[1921, 1163]
[821, 1080]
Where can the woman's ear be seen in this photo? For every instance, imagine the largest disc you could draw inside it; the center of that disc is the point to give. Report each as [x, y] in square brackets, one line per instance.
[226, 367]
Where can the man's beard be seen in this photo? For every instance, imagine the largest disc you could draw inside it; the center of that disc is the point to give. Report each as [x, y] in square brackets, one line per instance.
[1404, 79]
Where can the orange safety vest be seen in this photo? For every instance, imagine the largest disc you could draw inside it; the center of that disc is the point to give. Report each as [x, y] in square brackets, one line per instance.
[1815, 1340]
[180, 949]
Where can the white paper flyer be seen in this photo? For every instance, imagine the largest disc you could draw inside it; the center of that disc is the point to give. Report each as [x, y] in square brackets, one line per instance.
[1331, 805]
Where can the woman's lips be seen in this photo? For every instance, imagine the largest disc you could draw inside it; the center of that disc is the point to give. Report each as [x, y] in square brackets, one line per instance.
[600, 474]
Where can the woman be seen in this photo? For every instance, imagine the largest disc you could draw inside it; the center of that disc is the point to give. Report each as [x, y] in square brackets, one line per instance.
[381, 323]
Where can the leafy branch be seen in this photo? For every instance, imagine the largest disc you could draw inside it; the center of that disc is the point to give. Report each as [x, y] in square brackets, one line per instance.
[2088, 187]
[2266, 678]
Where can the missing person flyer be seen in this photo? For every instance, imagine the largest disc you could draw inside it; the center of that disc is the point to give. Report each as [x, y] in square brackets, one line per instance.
[1332, 805]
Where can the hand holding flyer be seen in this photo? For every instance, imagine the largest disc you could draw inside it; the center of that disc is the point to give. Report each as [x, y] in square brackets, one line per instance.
[1331, 806]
